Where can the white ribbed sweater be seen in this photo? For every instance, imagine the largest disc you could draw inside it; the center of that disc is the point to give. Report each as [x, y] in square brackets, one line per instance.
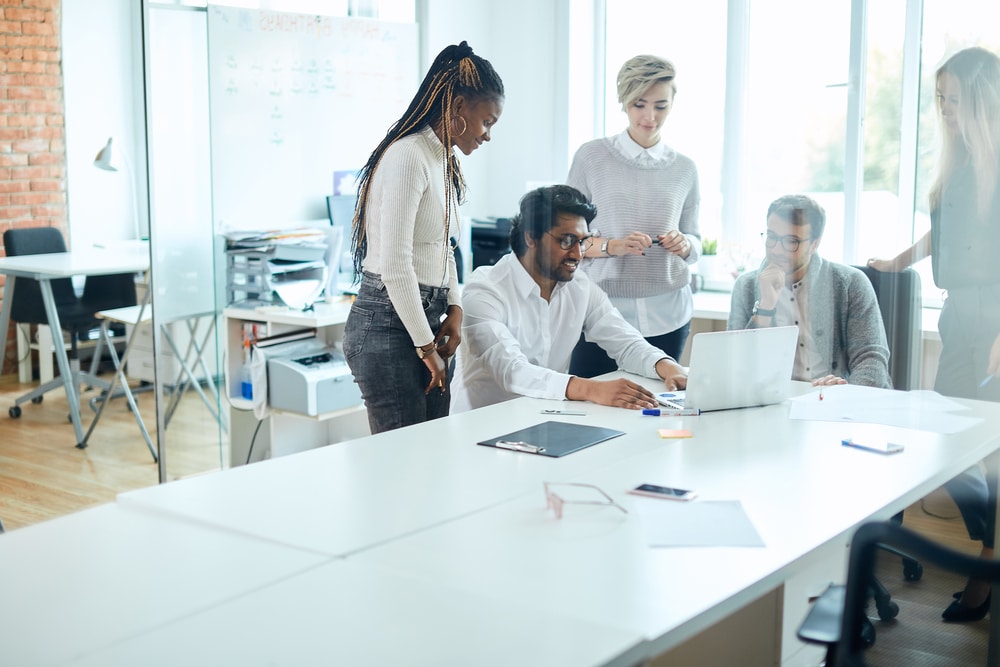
[654, 197]
[407, 242]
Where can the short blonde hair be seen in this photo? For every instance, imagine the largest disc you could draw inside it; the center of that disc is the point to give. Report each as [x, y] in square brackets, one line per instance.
[641, 72]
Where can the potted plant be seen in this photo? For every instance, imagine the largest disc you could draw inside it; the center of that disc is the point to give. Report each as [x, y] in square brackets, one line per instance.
[708, 263]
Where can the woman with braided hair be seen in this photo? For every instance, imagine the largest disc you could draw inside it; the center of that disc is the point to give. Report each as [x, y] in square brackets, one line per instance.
[406, 321]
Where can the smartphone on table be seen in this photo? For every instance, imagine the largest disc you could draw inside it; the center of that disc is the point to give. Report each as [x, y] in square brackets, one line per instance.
[667, 492]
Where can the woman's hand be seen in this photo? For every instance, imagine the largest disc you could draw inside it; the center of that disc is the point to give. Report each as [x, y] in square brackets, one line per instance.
[450, 333]
[633, 244]
[884, 265]
[439, 372]
[675, 243]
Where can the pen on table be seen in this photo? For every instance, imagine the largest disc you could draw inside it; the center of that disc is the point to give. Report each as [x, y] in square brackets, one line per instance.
[519, 446]
[656, 412]
[986, 381]
[821, 392]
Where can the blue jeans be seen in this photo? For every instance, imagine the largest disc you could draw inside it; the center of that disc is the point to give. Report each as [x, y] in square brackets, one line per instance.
[385, 365]
[590, 360]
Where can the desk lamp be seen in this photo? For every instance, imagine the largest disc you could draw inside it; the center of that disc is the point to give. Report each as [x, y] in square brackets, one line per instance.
[105, 160]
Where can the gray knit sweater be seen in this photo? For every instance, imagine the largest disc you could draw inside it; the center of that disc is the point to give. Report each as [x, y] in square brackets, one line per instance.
[633, 195]
[844, 318]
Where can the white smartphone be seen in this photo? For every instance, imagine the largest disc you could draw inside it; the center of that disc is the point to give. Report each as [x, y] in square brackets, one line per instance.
[670, 493]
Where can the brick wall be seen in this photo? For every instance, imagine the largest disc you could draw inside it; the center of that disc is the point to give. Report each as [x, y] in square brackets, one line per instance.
[32, 127]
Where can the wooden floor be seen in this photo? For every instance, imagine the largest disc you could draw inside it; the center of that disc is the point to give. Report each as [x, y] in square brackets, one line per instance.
[43, 475]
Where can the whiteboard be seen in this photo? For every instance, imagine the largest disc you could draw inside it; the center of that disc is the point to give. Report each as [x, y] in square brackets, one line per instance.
[294, 98]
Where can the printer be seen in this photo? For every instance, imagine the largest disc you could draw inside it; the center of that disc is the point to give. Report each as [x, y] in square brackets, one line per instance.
[310, 379]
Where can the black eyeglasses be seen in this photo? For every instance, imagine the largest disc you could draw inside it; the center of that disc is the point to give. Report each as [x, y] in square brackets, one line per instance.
[567, 241]
[789, 243]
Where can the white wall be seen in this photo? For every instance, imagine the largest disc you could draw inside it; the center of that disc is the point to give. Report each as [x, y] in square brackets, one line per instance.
[101, 60]
[527, 43]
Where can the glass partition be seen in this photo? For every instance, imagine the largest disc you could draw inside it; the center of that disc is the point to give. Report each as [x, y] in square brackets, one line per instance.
[191, 422]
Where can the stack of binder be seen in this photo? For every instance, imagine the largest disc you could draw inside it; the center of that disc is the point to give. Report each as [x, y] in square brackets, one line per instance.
[280, 266]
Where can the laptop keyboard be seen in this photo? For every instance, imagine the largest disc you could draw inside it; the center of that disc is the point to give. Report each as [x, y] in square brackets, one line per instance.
[670, 399]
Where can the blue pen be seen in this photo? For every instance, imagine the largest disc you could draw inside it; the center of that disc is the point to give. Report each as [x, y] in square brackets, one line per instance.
[986, 381]
[656, 412]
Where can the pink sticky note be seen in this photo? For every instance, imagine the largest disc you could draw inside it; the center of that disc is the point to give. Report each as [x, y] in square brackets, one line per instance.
[674, 432]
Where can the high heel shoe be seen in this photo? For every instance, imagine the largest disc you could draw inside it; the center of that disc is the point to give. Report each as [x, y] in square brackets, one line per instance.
[959, 613]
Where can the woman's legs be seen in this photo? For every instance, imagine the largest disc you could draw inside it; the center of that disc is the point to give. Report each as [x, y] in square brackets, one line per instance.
[969, 322]
[382, 359]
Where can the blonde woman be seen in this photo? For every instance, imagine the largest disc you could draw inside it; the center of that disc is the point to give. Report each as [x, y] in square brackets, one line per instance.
[963, 244]
[646, 231]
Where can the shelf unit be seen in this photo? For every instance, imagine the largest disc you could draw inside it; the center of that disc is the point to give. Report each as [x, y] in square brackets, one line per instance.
[284, 432]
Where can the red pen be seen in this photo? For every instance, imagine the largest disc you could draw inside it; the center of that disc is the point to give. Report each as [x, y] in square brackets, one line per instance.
[821, 393]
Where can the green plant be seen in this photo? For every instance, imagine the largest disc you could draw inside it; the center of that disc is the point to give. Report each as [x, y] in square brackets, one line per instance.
[709, 246]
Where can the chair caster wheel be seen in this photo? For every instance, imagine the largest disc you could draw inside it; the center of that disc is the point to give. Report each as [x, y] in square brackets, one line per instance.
[14, 412]
[866, 633]
[37, 399]
[888, 612]
[912, 570]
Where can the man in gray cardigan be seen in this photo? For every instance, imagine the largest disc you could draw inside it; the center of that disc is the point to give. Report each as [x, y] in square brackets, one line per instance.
[841, 336]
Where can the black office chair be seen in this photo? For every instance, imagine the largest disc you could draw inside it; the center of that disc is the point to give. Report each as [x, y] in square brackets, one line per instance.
[76, 314]
[835, 619]
[900, 303]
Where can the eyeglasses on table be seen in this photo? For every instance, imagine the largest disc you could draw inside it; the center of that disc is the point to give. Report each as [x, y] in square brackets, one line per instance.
[555, 502]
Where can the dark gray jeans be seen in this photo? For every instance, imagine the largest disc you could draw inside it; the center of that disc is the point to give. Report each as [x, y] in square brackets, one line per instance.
[968, 325]
[385, 365]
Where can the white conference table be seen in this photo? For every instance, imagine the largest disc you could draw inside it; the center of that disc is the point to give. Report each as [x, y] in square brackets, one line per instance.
[126, 258]
[427, 509]
[98, 577]
[419, 547]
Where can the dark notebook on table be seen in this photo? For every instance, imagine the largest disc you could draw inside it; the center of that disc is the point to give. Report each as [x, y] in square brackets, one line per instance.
[552, 438]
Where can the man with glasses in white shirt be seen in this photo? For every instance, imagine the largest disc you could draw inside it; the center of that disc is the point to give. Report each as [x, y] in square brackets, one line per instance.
[841, 336]
[524, 315]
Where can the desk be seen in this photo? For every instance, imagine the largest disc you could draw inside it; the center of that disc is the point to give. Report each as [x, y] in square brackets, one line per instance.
[435, 551]
[64, 580]
[47, 267]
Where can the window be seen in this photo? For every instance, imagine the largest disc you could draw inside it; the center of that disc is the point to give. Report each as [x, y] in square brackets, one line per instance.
[693, 37]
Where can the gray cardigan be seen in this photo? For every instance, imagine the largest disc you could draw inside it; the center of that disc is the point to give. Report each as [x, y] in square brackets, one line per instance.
[844, 318]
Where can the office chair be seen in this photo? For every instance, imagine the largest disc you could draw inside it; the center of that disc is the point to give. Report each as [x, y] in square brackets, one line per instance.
[900, 303]
[76, 315]
[834, 618]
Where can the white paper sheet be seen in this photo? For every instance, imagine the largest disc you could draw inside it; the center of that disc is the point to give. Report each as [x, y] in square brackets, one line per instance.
[922, 410]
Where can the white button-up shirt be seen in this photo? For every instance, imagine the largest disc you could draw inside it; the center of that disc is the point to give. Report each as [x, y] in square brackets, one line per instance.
[515, 343]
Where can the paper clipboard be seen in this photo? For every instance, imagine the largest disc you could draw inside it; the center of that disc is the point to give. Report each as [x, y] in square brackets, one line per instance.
[552, 438]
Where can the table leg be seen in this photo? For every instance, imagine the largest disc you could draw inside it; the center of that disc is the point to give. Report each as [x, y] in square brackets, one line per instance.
[8, 297]
[69, 377]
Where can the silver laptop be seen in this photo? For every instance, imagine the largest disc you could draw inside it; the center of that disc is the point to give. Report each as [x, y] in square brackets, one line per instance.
[737, 369]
